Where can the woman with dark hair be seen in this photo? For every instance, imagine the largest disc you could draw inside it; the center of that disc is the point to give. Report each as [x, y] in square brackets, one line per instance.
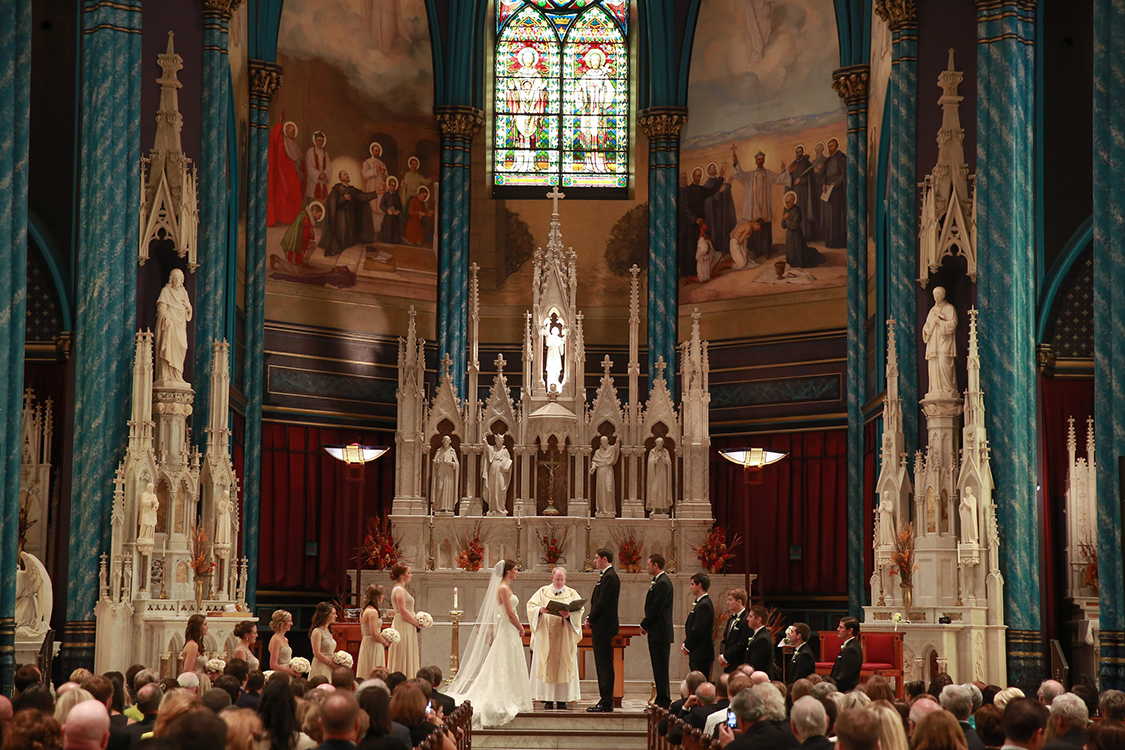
[192, 658]
[1105, 735]
[879, 688]
[377, 703]
[323, 644]
[32, 730]
[278, 710]
[373, 647]
[37, 697]
[940, 680]
[247, 634]
[989, 726]
[408, 707]
[403, 656]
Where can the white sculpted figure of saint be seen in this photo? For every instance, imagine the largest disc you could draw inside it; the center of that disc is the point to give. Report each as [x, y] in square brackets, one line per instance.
[173, 311]
[601, 465]
[659, 495]
[445, 473]
[222, 519]
[968, 512]
[495, 473]
[150, 507]
[555, 338]
[886, 521]
[941, 347]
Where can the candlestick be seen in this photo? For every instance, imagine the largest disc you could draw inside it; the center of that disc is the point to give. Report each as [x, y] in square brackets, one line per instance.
[455, 597]
[455, 649]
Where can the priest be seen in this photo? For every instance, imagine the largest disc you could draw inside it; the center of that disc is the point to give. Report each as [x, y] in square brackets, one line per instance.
[554, 643]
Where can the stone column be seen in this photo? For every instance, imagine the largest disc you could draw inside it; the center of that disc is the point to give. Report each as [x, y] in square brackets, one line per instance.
[458, 126]
[662, 126]
[1109, 328]
[265, 79]
[106, 291]
[15, 94]
[1006, 296]
[851, 84]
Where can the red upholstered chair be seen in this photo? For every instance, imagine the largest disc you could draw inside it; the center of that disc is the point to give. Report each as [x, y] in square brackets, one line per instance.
[882, 655]
[830, 645]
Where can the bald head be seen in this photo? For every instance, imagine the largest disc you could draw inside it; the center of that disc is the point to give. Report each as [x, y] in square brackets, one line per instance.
[759, 678]
[149, 697]
[339, 716]
[922, 708]
[87, 726]
[706, 693]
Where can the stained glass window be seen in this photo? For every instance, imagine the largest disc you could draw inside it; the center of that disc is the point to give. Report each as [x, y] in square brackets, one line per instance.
[561, 95]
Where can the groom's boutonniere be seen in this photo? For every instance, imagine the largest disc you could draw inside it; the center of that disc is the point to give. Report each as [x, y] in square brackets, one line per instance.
[693, 606]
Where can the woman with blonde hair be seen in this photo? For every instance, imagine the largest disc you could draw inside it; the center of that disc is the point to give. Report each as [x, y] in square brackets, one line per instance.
[69, 700]
[373, 647]
[244, 730]
[939, 731]
[1007, 694]
[280, 652]
[891, 734]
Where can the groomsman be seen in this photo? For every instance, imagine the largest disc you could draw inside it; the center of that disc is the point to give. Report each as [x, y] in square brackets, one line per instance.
[802, 664]
[698, 646]
[848, 664]
[759, 652]
[736, 636]
[603, 624]
[657, 625]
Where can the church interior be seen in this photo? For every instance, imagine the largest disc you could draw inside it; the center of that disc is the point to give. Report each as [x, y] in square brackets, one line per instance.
[815, 296]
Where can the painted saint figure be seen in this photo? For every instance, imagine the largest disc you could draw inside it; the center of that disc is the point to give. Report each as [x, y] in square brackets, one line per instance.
[495, 473]
[299, 242]
[285, 190]
[601, 465]
[833, 196]
[801, 178]
[375, 181]
[173, 311]
[757, 204]
[391, 206]
[798, 253]
[527, 101]
[692, 210]
[658, 497]
[417, 212]
[595, 94]
[317, 168]
[347, 221]
[445, 472]
[939, 334]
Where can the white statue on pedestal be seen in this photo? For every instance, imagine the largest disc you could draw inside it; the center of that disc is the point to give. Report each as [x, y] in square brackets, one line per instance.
[602, 464]
[941, 347]
[659, 495]
[556, 341]
[173, 311]
[495, 473]
[150, 507]
[968, 513]
[886, 520]
[222, 518]
[445, 474]
[33, 597]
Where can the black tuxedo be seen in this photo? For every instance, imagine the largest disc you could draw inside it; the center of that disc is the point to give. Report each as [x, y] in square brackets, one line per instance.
[845, 671]
[447, 703]
[657, 623]
[972, 741]
[736, 637]
[697, 636]
[759, 652]
[603, 629]
[802, 664]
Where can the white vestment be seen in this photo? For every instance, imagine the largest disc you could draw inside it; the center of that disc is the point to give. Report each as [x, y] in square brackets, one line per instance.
[554, 647]
[705, 257]
[757, 198]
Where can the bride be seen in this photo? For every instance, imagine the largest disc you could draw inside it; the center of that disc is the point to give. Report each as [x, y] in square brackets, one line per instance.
[493, 674]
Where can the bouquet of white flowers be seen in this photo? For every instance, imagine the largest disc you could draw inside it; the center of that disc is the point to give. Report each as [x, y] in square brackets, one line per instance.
[391, 635]
[896, 618]
[267, 674]
[342, 659]
[300, 665]
[215, 664]
[425, 619]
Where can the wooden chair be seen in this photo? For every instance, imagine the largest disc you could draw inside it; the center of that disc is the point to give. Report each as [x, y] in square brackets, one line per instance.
[830, 645]
[882, 655]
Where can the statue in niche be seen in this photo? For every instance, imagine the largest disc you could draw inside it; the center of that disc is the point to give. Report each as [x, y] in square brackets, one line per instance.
[886, 520]
[968, 513]
[33, 597]
[446, 468]
[931, 512]
[555, 338]
[658, 497]
[173, 311]
[222, 518]
[496, 471]
[601, 465]
[941, 347]
[150, 509]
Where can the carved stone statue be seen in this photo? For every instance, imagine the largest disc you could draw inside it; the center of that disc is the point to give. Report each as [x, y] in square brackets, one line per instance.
[605, 457]
[173, 311]
[941, 346]
[556, 342]
[222, 518]
[658, 497]
[968, 512]
[446, 468]
[149, 508]
[33, 597]
[496, 471]
[886, 520]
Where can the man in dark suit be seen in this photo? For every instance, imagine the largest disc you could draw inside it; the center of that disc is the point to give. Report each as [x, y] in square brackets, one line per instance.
[657, 625]
[958, 700]
[1025, 722]
[677, 709]
[1069, 717]
[433, 674]
[102, 689]
[845, 672]
[149, 696]
[700, 625]
[709, 698]
[755, 730]
[759, 651]
[809, 722]
[736, 635]
[339, 721]
[802, 663]
[603, 623]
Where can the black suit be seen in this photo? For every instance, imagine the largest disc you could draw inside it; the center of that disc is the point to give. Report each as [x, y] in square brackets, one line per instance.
[763, 735]
[657, 623]
[845, 672]
[144, 726]
[802, 664]
[972, 741]
[818, 742]
[697, 719]
[603, 629]
[736, 637]
[759, 652]
[697, 636]
[1074, 739]
[120, 738]
[675, 709]
[447, 703]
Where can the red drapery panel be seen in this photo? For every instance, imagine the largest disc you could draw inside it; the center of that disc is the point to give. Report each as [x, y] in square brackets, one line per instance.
[306, 498]
[801, 503]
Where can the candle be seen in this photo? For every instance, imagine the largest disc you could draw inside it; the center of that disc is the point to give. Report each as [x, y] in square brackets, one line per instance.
[455, 597]
[165, 546]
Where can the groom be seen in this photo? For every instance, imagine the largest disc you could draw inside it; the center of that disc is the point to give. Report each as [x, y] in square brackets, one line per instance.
[602, 622]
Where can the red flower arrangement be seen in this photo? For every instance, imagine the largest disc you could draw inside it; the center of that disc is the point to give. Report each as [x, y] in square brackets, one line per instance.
[471, 556]
[201, 563]
[552, 545]
[380, 549]
[715, 553]
[629, 551]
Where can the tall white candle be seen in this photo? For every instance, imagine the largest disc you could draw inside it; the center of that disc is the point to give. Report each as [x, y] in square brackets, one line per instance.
[455, 597]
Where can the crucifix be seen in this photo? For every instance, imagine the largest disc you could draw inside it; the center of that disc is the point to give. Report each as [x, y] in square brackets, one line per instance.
[555, 197]
[607, 364]
[552, 465]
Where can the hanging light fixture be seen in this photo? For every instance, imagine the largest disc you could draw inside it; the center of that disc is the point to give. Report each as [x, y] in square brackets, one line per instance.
[752, 461]
[355, 453]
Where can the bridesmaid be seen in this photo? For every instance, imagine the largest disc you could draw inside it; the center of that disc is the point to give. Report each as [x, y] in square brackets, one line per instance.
[403, 656]
[280, 652]
[372, 649]
[192, 656]
[247, 634]
[323, 644]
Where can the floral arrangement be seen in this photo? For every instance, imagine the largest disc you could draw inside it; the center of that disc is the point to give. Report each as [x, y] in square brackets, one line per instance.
[896, 618]
[380, 549]
[215, 665]
[1089, 552]
[629, 550]
[715, 553]
[201, 563]
[342, 659]
[903, 556]
[553, 545]
[425, 619]
[471, 556]
[300, 665]
[775, 622]
[391, 635]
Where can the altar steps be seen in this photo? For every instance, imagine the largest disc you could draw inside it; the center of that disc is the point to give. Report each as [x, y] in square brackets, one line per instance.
[573, 729]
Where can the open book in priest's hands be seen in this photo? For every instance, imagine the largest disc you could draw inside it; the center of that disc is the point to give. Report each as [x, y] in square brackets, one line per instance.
[556, 607]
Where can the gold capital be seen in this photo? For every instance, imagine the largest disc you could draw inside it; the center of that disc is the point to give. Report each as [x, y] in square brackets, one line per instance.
[851, 83]
[663, 122]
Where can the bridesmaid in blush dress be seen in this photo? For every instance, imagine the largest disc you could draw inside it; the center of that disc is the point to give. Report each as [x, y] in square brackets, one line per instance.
[280, 652]
[323, 644]
[403, 656]
[372, 649]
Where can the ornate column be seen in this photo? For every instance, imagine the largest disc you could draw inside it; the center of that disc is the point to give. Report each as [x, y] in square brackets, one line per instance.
[1109, 328]
[106, 291]
[15, 94]
[458, 126]
[662, 126]
[214, 192]
[1006, 296]
[265, 79]
[851, 84]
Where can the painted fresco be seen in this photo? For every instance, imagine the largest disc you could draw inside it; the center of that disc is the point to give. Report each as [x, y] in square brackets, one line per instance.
[763, 162]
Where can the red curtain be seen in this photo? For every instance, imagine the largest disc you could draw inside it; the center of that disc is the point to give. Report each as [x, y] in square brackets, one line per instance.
[801, 503]
[309, 513]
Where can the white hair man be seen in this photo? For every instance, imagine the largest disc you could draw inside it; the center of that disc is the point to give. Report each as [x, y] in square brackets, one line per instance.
[1049, 690]
[1069, 717]
[189, 681]
[921, 708]
[555, 633]
[958, 700]
[809, 722]
[87, 726]
[754, 709]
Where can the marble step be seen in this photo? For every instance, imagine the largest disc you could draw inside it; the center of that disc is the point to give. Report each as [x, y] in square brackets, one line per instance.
[569, 730]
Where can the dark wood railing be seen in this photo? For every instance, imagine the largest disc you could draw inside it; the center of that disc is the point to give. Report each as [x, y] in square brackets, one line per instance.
[458, 727]
[693, 737]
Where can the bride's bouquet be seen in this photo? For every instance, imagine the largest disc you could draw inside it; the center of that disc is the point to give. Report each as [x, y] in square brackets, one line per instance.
[215, 665]
[300, 665]
[425, 619]
[342, 659]
[391, 635]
